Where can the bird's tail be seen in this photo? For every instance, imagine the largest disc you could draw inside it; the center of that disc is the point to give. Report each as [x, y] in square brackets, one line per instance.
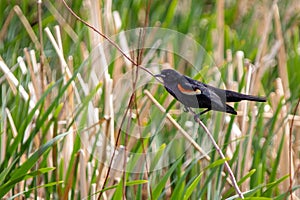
[253, 98]
[236, 97]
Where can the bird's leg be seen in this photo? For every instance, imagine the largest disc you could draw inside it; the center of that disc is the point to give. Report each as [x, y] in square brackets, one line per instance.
[204, 111]
[185, 109]
[201, 113]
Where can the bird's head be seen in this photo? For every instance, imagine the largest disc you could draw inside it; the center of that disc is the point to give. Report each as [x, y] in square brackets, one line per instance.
[169, 75]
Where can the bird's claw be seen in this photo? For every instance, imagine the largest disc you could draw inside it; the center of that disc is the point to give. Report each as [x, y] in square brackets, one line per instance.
[196, 117]
[185, 109]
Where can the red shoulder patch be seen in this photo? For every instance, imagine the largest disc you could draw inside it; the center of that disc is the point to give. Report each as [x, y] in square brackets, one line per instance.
[187, 91]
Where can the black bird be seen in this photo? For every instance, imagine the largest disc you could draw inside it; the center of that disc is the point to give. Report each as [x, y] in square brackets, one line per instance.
[194, 94]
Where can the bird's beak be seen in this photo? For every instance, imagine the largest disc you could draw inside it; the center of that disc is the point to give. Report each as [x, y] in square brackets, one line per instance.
[160, 75]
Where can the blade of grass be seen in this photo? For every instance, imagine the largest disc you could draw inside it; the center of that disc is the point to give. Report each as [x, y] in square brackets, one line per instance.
[192, 186]
[13, 180]
[30, 162]
[34, 188]
[157, 190]
[129, 183]
[178, 191]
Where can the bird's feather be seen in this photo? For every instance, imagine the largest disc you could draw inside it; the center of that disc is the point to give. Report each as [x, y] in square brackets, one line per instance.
[215, 99]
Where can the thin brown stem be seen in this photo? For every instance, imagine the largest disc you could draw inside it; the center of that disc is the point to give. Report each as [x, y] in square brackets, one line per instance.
[97, 31]
[110, 41]
[178, 127]
[139, 61]
[290, 151]
[115, 148]
[42, 56]
[125, 149]
[234, 183]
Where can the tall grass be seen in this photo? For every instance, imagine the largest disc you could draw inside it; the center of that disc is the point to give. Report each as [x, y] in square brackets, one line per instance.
[79, 120]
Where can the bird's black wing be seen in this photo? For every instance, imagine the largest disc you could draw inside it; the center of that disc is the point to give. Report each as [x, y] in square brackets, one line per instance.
[215, 99]
[226, 95]
[232, 96]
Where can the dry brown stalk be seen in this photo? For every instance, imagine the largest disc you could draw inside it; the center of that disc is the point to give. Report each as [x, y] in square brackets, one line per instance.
[283, 134]
[219, 53]
[282, 63]
[27, 26]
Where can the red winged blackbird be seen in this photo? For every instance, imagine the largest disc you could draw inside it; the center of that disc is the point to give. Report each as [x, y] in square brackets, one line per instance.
[192, 93]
